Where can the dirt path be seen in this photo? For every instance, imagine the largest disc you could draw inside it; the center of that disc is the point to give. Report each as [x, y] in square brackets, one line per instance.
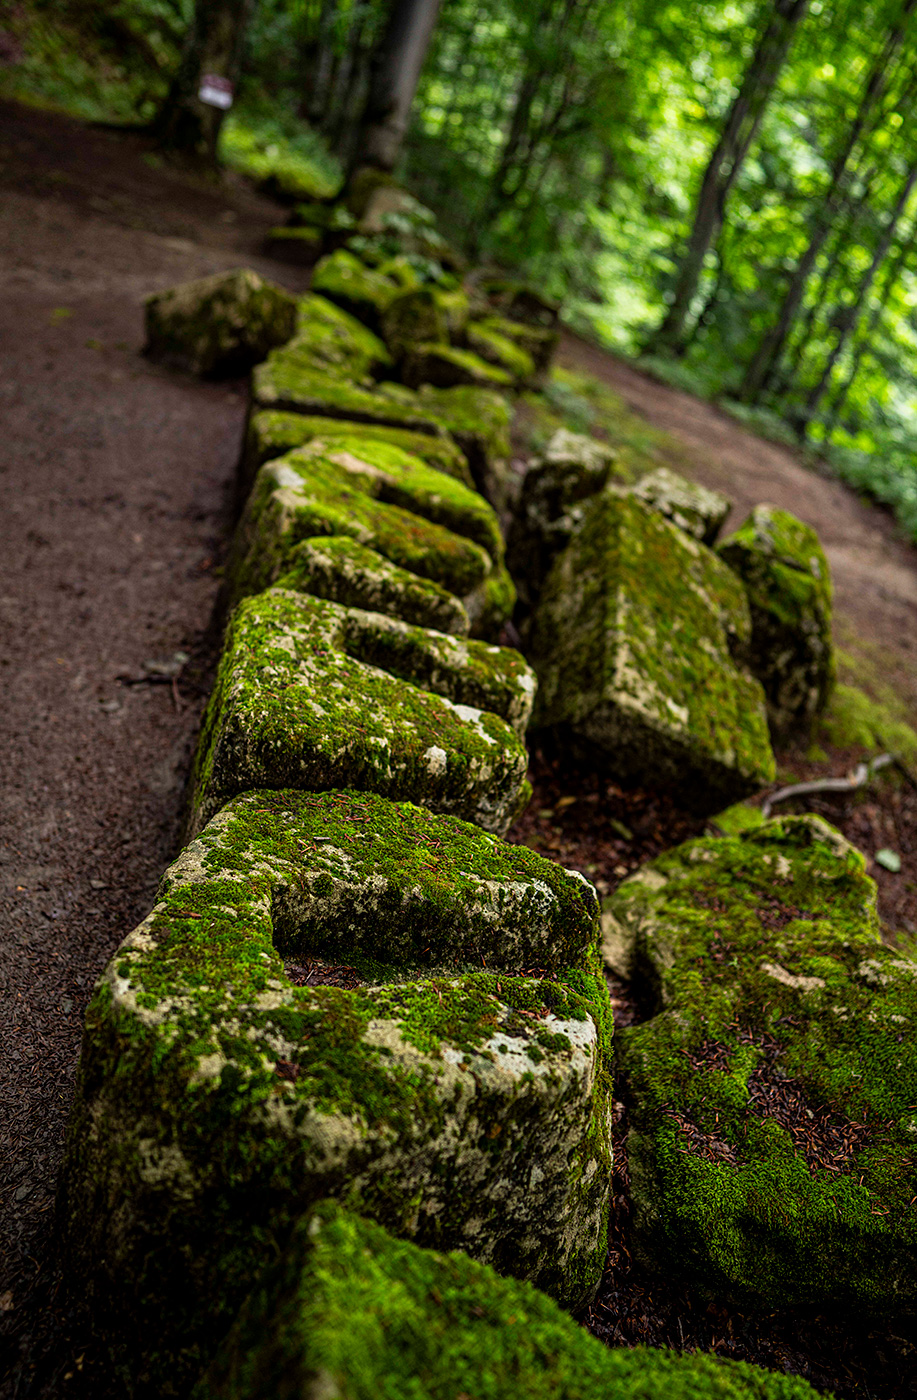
[114, 503]
[874, 569]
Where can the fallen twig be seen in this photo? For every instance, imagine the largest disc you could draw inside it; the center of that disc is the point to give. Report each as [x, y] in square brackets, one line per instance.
[861, 774]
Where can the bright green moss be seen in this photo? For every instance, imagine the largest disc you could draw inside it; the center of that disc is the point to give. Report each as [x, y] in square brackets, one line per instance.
[447, 366]
[364, 292]
[343, 571]
[852, 719]
[336, 339]
[772, 1094]
[538, 342]
[380, 1319]
[633, 641]
[272, 433]
[292, 383]
[298, 497]
[301, 701]
[499, 349]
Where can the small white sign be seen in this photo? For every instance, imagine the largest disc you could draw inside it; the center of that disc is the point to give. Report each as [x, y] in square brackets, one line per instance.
[215, 91]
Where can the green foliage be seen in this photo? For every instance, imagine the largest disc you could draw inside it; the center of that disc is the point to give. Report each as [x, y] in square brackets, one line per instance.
[264, 142]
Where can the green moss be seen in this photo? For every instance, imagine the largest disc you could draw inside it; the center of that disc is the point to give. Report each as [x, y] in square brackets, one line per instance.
[301, 496]
[272, 433]
[537, 342]
[414, 316]
[772, 1094]
[500, 350]
[853, 719]
[447, 366]
[633, 642]
[337, 339]
[343, 571]
[292, 383]
[301, 701]
[364, 292]
[219, 324]
[217, 1102]
[380, 1319]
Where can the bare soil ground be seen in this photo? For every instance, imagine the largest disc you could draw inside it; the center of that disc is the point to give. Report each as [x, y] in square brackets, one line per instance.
[116, 485]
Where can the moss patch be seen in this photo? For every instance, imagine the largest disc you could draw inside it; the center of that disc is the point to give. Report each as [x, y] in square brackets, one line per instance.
[301, 701]
[291, 382]
[336, 339]
[218, 325]
[772, 1094]
[633, 642]
[447, 366]
[380, 1319]
[364, 292]
[501, 350]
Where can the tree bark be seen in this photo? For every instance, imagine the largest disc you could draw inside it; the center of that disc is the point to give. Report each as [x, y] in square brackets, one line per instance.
[322, 64]
[395, 73]
[738, 132]
[764, 363]
[185, 125]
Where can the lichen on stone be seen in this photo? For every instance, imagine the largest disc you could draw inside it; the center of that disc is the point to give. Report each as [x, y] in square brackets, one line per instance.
[634, 641]
[772, 1094]
[217, 1102]
[313, 695]
[786, 575]
[221, 324]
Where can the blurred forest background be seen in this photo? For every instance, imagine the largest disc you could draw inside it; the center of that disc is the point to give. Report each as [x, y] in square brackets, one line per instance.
[727, 191]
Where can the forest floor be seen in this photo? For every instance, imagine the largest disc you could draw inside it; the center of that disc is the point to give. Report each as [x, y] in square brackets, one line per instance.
[115, 489]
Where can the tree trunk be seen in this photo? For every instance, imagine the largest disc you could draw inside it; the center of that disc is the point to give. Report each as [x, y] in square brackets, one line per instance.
[739, 131]
[323, 63]
[186, 125]
[764, 363]
[395, 74]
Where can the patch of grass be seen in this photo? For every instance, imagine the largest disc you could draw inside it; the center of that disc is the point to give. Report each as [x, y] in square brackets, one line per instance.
[268, 145]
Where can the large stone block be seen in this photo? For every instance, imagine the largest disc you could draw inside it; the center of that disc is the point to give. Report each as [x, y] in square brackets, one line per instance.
[336, 340]
[786, 575]
[351, 1311]
[272, 433]
[772, 1096]
[313, 695]
[219, 325]
[633, 641]
[300, 1017]
[500, 350]
[292, 382]
[479, 421]
[362, 291]
[339, 569]
[447, 367]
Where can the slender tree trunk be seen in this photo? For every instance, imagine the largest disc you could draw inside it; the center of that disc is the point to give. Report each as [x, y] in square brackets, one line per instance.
[213, 45]
[395, 74]
[764, 363]
[739, 131]
[849, 322]
[320, 61]
[335, 124]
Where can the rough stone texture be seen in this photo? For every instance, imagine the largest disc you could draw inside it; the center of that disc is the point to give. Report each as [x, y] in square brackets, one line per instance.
[217, 1102]
[313, 695]
[218, 325]
[313, 492]
[272, 433]
[632, 642]
[695, 509]
[448, 367]
[773, 1095]
[351, 1311]
[292, 382]
[786, 575]
[364, 292]
[499, 349]
[572, 469]
[337, 340]
[339, 569]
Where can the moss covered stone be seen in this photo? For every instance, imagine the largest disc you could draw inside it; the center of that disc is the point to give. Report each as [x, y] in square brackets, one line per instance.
[363, 291]
[351, 1311]
[539, 342]
[336, 340]
[313, 695]
[339, 569]
[519, 301]
[292, 382]
[695, 509]
[633, 642]
[448, 366]
[773, 1094]
[299, 496]
[479, 421]
[784, 569]
[217, 1102]
[412, 317]
[572, 469]
[218, 325]
[500, 350]
[273, 432]
[300, 245]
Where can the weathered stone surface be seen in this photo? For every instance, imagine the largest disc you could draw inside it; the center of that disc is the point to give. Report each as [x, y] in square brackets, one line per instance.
[336, 340]
[694, 509]
[632, 642]
[479, 421]
[352, 1311]
[374, 493]
[500, 350]
[786, 574]
[772, 1094]
[448, 367]
[290, 382]
[273, 432]
[363, 291]
[412, 317]
[217, 1101]
[572, 469]
[339, 569]
[219, 324]
[312, 695]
